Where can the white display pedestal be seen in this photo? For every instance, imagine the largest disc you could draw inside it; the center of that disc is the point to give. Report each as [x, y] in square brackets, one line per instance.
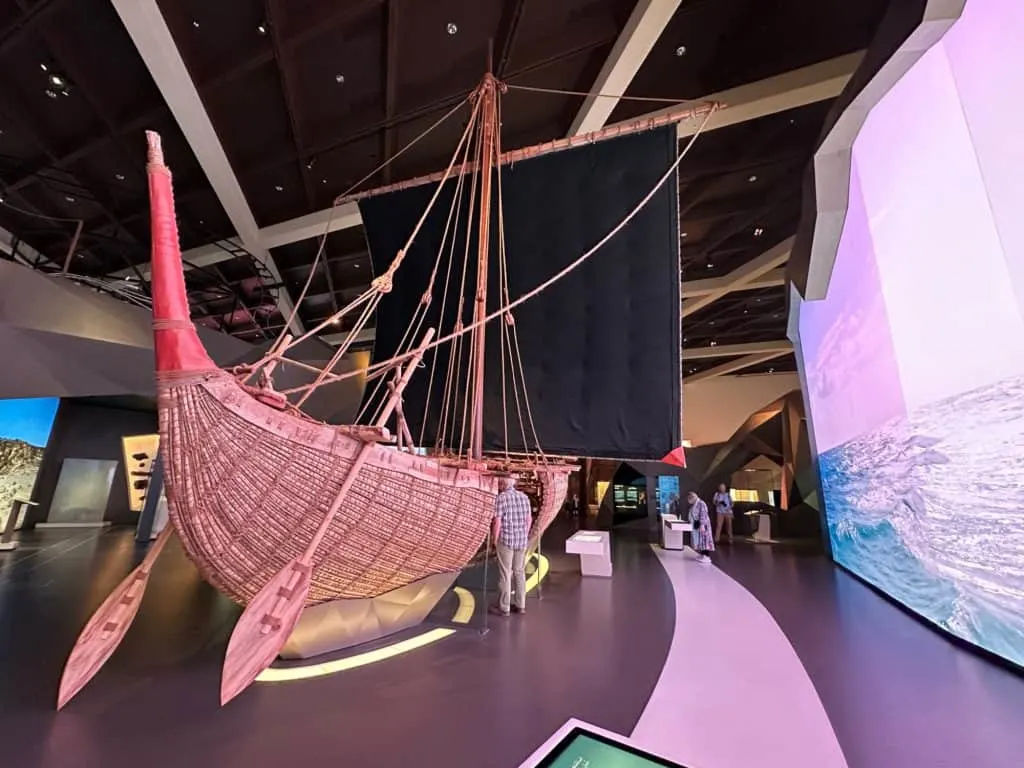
[595, 551]
[7, 543]
[764, 527]
[672, 530]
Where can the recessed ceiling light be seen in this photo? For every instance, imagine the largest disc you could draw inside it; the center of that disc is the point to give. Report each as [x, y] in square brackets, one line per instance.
[119, 176]
[355, 266]
[279, 188]
[57, 81]
[44, 67]
[452, 29]
[684, 235]
[713, 344]
[51, 93]
[339, 79]
[771, 370]
[323, 181]
[758, 232]
[195, 23]
[752, 178]
[711, 322]
[201, 222]
[69, 198]
[681, 50]
[746, 311]
[310, 163]
[262, 28]
[711, 265]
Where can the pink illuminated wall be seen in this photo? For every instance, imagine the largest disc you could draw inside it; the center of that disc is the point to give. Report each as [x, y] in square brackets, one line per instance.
[914, 360]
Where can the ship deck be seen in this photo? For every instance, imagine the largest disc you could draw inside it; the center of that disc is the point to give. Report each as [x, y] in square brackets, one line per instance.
[701, 664]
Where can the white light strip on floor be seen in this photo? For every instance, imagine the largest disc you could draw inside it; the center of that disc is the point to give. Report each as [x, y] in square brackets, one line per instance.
[729, 663]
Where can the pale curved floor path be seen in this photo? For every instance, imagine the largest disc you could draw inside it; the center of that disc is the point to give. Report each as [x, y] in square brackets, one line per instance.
[733, 692]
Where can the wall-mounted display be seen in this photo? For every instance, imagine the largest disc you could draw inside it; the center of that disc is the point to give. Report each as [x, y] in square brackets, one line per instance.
[668, 495]
[140, 451]
[82, 493]
[25, 427]
[914, 361]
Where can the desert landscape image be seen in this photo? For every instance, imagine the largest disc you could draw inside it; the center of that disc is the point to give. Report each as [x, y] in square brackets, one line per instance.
[24, 429]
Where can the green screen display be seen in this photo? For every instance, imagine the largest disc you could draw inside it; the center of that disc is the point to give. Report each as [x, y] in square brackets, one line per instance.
[583, 750]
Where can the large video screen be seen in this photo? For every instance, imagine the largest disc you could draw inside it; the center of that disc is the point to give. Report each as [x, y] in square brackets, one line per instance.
[914, 361]
[24, 431]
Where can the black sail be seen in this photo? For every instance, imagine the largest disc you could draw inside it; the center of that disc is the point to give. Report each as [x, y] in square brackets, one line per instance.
[601, 348]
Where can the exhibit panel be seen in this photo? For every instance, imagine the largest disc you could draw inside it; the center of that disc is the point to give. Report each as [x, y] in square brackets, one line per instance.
[914, 360]
[25, 427]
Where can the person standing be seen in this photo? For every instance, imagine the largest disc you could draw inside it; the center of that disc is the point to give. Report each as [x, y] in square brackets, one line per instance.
[574, 506]
[723, 512]
[701, 539]
[510, 530]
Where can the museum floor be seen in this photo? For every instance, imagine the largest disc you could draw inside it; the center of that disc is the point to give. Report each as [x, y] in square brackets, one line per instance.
[774, 658]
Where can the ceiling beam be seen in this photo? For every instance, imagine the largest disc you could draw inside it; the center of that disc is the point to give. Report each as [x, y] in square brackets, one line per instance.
[791, 90]
[645, 25]
[697, 288]
[798, 88]
[776, 348]
[153, 40]
[733, 366]
[365, 336]
[767, 262]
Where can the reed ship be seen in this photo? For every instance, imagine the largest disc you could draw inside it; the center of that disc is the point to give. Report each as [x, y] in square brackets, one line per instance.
[330, 535]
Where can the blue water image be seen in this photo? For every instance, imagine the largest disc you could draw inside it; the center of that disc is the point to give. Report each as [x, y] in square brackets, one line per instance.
[29, 420]
[930, 508]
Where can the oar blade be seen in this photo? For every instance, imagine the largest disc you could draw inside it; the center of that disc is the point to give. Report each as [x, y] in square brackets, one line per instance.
[102, 634]
[263, 628]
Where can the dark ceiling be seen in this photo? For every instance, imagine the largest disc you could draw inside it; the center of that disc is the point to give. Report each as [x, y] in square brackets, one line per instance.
[307, 97]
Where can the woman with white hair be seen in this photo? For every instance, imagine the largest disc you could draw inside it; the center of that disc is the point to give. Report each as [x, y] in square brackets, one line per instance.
[702, 539]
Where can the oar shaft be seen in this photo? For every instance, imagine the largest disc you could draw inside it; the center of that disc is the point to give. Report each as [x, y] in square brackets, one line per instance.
[353, 472]
[364, 451]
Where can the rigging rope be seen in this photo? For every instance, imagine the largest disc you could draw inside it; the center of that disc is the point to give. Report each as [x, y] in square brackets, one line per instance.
[382, 283]
[415, 325]
[558, 276]
[600, 95]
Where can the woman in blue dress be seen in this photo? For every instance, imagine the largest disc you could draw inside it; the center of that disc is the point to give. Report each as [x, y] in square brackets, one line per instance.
[723, 512]
[702, 539]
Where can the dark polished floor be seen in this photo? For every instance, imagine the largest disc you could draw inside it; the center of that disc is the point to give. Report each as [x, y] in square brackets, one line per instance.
[899, 694]
[590, 648]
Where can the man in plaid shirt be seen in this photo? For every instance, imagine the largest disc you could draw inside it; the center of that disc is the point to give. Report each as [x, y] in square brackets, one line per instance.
[511, 529]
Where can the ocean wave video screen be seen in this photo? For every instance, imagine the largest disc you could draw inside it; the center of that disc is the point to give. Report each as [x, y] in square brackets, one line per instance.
[914, 361]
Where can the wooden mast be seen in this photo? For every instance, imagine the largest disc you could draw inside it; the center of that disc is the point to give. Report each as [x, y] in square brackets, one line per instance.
[489, 115]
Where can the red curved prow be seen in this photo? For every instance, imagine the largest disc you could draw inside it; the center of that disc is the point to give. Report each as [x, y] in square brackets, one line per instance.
[175, 339]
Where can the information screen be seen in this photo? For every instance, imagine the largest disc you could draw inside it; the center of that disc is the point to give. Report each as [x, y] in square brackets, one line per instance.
[583, 749]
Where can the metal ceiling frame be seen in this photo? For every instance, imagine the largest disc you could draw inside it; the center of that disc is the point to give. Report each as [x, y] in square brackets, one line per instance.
[152, 38]
[768, 262]
[791, 90]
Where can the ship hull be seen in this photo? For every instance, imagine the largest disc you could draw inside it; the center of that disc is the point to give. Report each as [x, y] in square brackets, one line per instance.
[247, 486]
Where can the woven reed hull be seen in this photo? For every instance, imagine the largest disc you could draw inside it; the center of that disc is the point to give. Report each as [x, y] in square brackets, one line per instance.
[247, 486]
[555, 486]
